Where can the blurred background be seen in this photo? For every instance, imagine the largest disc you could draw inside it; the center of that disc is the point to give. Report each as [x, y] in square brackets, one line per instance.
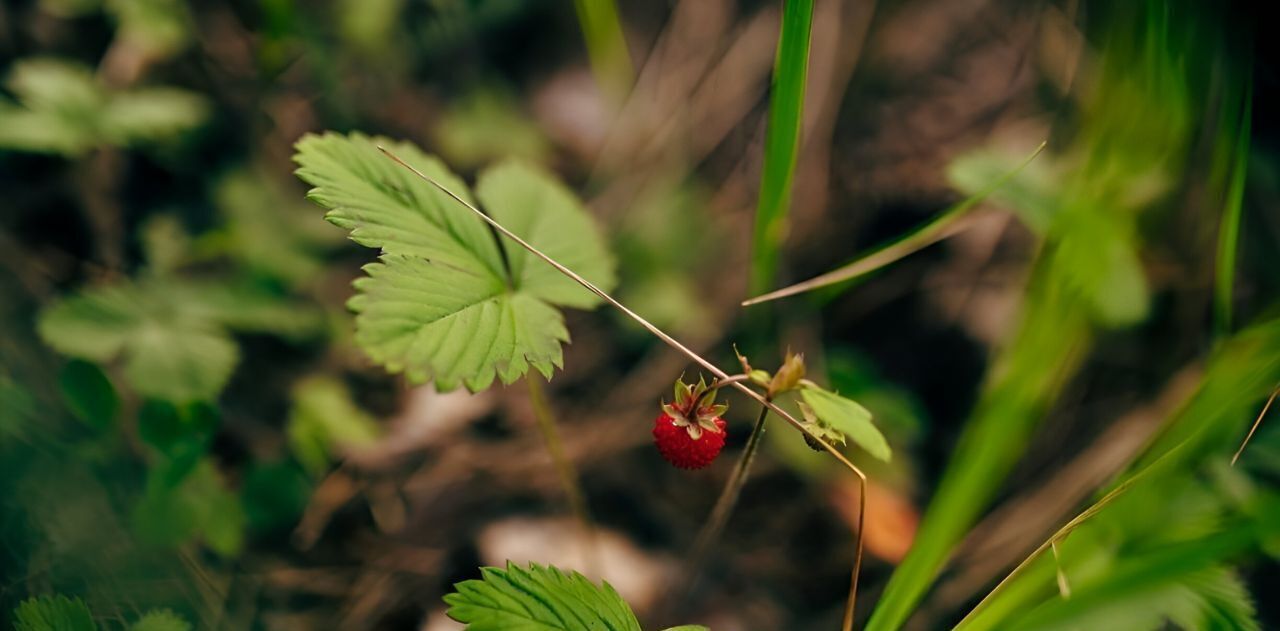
[187, 424]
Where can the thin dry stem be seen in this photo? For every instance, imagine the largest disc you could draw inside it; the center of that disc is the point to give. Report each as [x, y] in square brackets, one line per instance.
[696, 358]
[1256, 423]
[567, 472]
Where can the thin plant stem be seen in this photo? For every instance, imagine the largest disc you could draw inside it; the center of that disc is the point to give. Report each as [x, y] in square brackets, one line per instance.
[684, 350]
[1256, 423]
[565, 469]
[715, 524]
[950, 222]
[717, 385]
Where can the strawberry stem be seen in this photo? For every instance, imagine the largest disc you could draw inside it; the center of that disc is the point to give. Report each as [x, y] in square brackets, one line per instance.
[715, 386]
[728, 499]
[565, 469]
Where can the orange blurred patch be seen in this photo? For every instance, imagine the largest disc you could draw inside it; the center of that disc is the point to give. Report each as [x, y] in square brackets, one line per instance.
[891, 520]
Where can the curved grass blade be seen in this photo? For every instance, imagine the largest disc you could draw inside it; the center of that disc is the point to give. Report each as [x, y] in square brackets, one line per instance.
[941, 227]
[1229, 232]
[782, 140]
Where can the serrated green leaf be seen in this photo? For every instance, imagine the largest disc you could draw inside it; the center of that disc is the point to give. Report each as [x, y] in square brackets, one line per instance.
[453, 328]
[441, 304]
[386, 206]
[53, 613]
[850, 418]
[89, 394]
[532, 204]
[538, 598]
[160, 620]
[172, 336]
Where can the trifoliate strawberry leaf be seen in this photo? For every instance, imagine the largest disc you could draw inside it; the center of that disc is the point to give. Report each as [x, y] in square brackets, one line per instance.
[543, 212]
[53, 613]
[537, 597]
[850, 418]
[448, 302]
[172, 336]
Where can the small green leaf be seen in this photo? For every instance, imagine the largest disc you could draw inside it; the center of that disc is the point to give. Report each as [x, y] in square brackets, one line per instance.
[159, 424]
[850, 418]
[199, 506]
[485, 125]
[89, 394]
[274, 495]
[441, 304]
[151, 115]
[180, 435]
[160, 620]
[1095, 258]
[788, 375]
[324, 421]
[538, 598]
[53, 613]
[688, 627]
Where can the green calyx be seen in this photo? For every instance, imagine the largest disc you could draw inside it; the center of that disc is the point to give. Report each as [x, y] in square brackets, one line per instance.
[695, 408]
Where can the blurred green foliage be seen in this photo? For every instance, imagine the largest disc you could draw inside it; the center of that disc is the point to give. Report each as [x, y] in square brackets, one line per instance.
[62, 108]
[112, 483]
[1127, 148]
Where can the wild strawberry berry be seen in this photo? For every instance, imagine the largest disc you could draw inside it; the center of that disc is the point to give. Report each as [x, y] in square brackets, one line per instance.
[690, 433]
[686, 445]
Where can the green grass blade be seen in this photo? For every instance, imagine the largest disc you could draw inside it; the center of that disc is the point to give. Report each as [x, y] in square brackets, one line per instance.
[1241, 373]
[1229, 231]
[1024, 381]
[606, 46]
[976, 620]
[942, 226]
[782, 140]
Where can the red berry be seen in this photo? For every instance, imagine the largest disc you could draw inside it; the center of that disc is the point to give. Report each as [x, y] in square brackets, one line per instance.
[677, 443]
